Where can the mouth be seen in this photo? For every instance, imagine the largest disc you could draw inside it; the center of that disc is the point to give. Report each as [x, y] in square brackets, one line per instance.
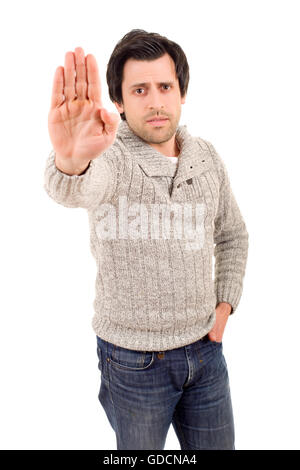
[157, 122]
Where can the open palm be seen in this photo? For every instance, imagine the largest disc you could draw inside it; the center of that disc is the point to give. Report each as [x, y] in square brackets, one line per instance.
[80, 128]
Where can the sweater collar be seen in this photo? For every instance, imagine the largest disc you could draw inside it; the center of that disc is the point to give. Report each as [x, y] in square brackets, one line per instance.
[154, 163]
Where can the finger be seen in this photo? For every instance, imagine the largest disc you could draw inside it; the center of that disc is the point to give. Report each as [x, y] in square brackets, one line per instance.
[212, 335]
[69, 89]
[110, 120]
[57, 97]
[81, 78]
[93, 78]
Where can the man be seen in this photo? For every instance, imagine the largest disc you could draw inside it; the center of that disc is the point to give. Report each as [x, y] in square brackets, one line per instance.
[146, 182]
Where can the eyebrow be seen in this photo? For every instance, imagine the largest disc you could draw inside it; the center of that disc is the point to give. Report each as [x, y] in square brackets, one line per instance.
[145, 84]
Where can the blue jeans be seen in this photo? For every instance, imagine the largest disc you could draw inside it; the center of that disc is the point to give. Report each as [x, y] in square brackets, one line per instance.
[143, 392]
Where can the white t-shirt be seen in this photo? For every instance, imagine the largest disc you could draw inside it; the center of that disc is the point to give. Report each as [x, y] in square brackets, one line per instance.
[172, 159]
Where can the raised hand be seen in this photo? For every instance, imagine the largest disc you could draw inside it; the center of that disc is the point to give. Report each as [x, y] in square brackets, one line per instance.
[80, 128]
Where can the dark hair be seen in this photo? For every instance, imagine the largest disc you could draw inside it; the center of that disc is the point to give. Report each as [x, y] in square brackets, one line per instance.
[141, 45]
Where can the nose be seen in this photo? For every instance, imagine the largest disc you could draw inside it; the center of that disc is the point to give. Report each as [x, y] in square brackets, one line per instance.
[155, 100]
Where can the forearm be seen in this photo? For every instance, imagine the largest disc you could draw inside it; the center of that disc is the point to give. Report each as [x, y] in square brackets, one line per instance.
[230, 252]
[95, 184]
[225, 307]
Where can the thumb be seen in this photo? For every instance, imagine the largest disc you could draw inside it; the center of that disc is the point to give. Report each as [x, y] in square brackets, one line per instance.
[110, 120]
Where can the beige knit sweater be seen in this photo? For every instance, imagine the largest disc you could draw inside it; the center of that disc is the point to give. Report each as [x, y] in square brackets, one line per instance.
[154, 228]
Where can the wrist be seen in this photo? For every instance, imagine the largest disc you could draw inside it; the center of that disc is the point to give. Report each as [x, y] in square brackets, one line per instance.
[67, 166]
[224, 307]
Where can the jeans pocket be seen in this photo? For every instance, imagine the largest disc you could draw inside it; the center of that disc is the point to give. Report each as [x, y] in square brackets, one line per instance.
[129, 359]
[217, 345]
[206, 340]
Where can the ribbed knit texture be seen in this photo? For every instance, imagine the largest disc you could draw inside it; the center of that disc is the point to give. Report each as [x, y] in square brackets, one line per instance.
[155, 294]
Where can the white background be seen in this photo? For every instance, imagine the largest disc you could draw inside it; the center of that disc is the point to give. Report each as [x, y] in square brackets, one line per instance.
[243, 96]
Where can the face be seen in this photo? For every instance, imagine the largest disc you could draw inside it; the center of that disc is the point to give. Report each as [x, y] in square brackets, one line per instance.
[151, 89]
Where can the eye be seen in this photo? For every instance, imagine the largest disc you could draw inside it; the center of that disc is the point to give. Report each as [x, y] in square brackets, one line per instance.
[165, 85]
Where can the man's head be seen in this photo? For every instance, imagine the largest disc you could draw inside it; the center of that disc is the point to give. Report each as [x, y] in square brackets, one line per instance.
[147, 77]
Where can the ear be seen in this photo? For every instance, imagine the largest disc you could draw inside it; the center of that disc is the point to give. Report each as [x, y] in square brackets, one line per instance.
[183, 99]
[119, 107]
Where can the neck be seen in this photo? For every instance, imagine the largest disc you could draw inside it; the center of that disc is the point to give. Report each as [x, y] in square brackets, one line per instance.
[169, 149]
